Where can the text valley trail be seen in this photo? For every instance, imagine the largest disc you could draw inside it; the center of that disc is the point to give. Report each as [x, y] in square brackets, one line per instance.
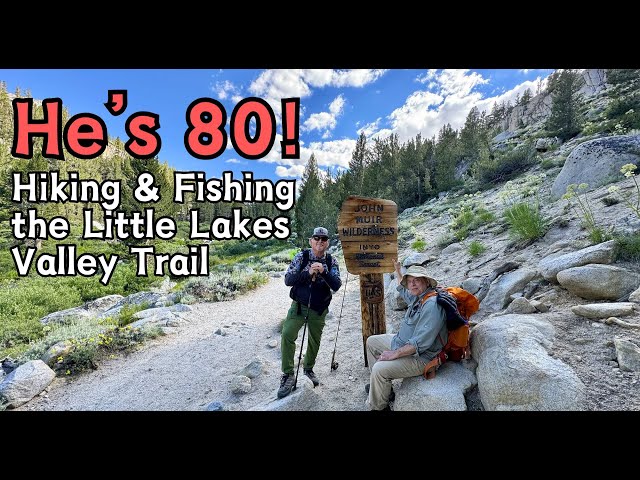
[65, 262]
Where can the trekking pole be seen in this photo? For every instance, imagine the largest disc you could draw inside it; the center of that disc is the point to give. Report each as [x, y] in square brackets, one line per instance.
[306, 319]
[334, 364]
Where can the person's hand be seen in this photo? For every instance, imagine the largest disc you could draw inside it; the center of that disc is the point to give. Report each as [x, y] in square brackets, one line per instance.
[316, 267]
[388, 355]
[396, 265]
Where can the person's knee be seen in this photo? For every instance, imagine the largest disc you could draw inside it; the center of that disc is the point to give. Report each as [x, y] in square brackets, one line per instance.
[378, 370]
[290, 330]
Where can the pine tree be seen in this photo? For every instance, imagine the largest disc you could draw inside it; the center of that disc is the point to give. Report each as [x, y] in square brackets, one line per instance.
[565, 120]
[471, 135]
[312, 208]
[446, 157]
[357, 166]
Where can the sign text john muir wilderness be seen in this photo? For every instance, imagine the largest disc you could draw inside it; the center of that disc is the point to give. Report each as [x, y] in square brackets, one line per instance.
[368, 230]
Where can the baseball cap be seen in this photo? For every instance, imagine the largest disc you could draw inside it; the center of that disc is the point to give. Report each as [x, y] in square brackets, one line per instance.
[320, 232]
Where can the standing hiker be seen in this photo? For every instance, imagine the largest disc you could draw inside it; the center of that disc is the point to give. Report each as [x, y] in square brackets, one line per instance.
[406, 353]
[312, 275]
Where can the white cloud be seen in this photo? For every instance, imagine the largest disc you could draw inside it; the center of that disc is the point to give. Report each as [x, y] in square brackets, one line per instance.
[293, 171]
[459, 82]
[510, 96]
[425, 112]
[331, 154]
[427, 77]
[335, 153]
[355, 78]
[235, 160]
[224, 90]
[370, 128]
[416, 115]
[274, 85]
[318, 78]
[325, 120]
[337, 106]
[319, 121]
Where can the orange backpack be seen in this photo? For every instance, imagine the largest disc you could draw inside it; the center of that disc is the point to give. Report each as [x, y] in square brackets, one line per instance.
[459, 305]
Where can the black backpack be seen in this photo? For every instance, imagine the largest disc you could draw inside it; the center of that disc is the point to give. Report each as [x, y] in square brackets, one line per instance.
[301, 294]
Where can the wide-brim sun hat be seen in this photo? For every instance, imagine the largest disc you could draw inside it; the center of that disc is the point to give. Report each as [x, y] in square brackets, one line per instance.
[419, 271]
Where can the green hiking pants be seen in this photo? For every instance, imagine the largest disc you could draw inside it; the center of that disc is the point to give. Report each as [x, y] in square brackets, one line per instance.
[290, 329]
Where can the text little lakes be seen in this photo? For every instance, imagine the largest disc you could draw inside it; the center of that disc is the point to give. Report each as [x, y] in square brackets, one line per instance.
[144, 225]
[66, 262]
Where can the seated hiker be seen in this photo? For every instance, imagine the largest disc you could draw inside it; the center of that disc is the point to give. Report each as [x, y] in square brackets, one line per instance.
[416, 343]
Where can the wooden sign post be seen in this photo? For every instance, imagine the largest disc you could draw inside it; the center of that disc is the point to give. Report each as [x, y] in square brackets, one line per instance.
[368, 231]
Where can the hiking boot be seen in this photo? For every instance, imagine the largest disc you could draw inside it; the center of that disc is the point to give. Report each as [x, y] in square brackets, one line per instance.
[392, 395]
[312, 376]
[286, 384]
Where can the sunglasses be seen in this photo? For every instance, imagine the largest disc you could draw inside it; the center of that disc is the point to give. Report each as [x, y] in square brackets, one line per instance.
[318, 239]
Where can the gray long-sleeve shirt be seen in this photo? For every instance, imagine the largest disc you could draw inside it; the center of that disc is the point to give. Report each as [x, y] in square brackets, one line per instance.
[421, 325]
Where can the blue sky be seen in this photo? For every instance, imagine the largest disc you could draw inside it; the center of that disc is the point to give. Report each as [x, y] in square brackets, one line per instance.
[336, 105]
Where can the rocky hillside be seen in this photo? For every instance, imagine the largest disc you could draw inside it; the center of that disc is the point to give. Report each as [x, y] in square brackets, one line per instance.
[529, 117]
[559, 323]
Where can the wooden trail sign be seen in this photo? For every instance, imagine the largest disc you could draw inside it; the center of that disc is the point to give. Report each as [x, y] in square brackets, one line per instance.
[368, 231]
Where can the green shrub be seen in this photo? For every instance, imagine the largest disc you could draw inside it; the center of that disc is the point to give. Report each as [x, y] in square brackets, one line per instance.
[419, 245]
[90, 339]
[126, 314]
[609, 201]
[627, 247]
[24, 303]
[222, 286]
[632, 203]
[445, 240]
[468, 217]
[502, 167]
[476, 248]
[578, 200]
[548, 163]
[525, 221]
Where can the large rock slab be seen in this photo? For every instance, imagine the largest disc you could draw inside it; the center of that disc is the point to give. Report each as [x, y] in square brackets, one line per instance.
[597, 162]
[601, 253]
[444, 392]
[599, 282]
[25, 382]
[515, 372]
[500, 291]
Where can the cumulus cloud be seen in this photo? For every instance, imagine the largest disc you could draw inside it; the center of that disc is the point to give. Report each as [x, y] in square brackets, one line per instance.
[335, 153]
[293, 171]
[236, 161]
[326, 121]
[226, 89]
[329, 154]
[370, 128]
[274, 85]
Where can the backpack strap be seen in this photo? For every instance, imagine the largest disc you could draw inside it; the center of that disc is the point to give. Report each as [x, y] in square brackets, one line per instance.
[428, 296]
[305, 259]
